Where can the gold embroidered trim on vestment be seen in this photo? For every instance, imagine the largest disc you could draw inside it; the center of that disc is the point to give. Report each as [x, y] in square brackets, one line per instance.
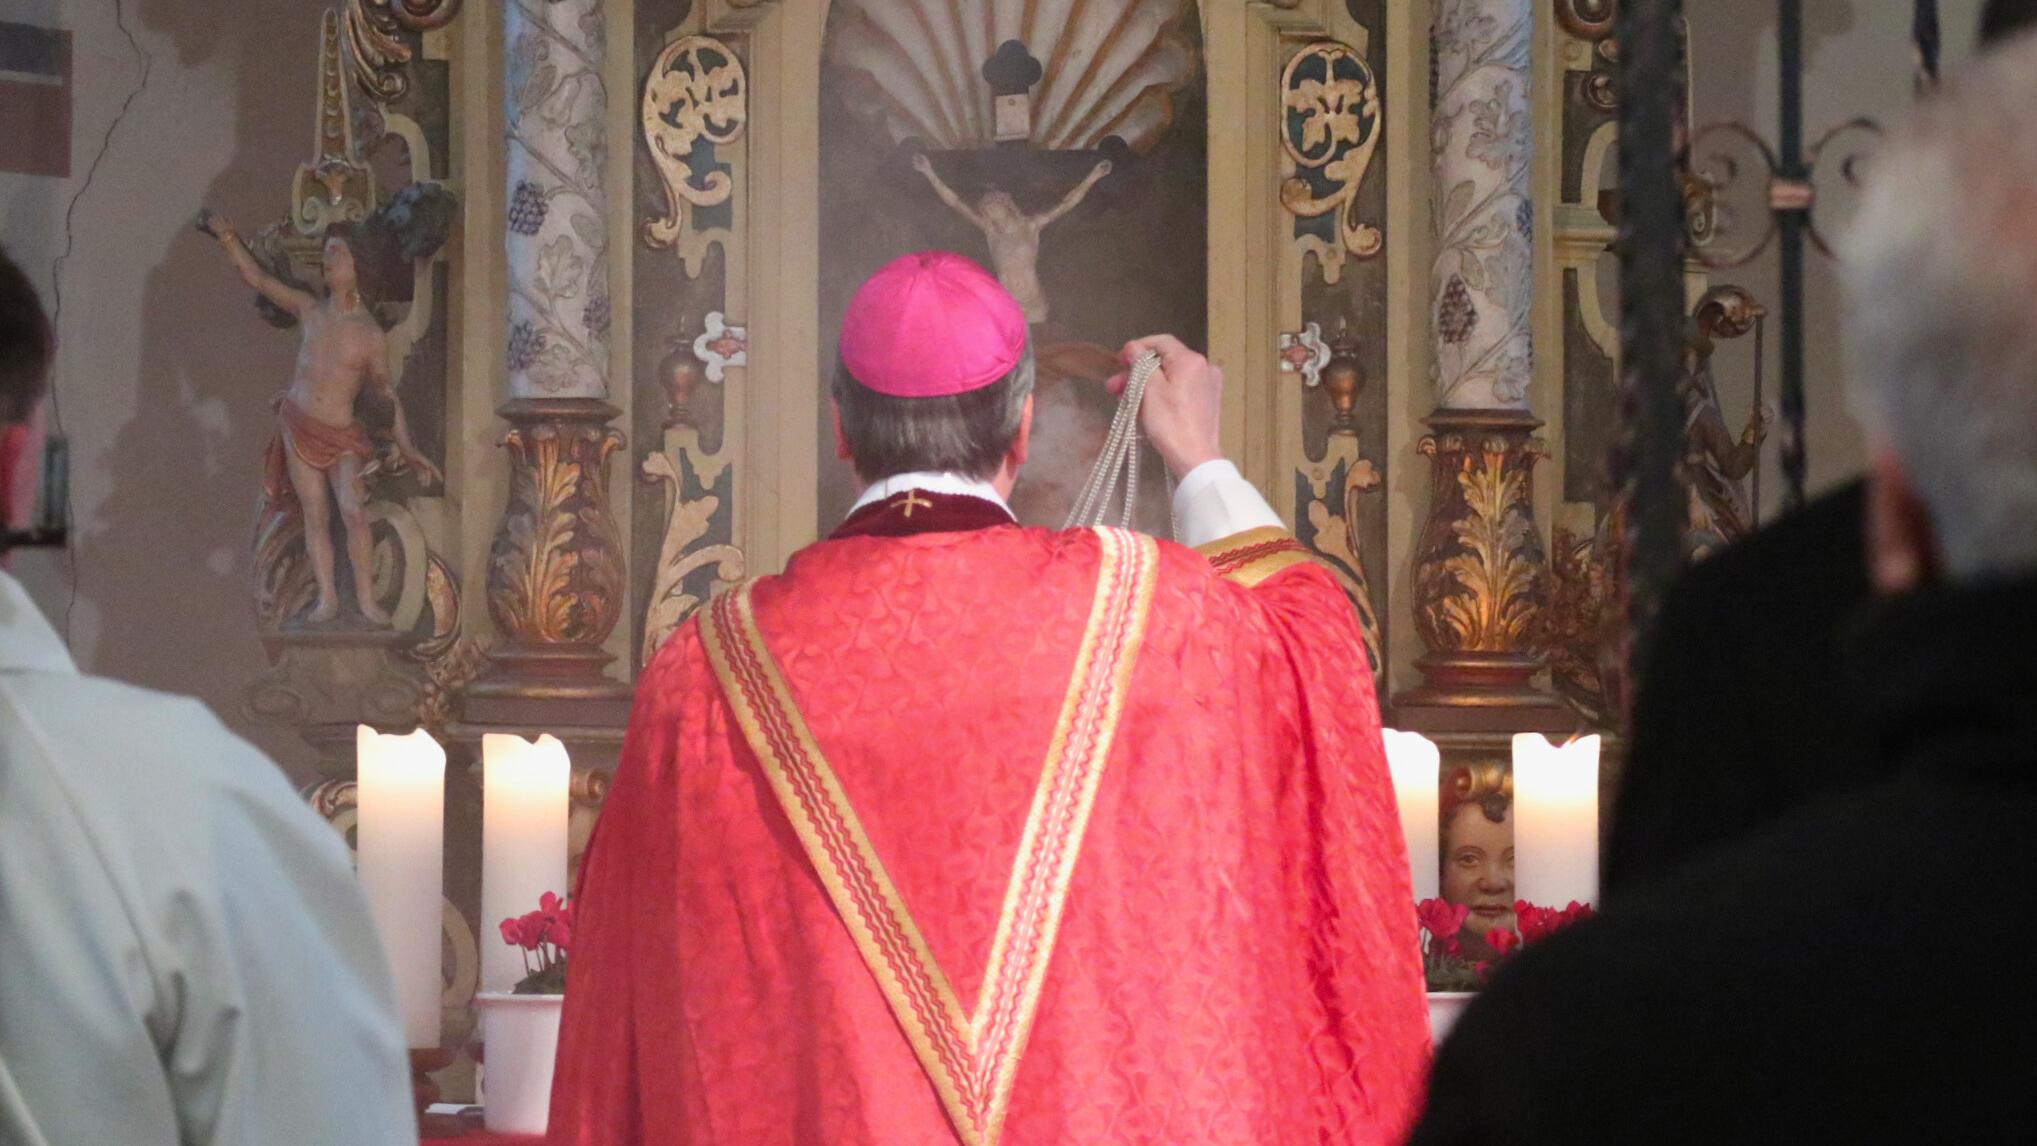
[1253, 556]
[972, 1059]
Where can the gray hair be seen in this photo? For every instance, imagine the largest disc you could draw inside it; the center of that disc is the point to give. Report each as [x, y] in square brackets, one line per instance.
[967, 434]
[1941, 278]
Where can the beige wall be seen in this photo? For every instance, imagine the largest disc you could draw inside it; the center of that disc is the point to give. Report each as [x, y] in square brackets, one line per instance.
[164, 372]
[1858, 63]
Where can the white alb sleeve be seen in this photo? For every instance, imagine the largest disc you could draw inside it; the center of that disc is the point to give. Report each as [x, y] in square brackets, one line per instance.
[1215, 501]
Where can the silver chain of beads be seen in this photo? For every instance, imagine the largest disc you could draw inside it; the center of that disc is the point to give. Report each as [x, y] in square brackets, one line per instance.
[1119, 461]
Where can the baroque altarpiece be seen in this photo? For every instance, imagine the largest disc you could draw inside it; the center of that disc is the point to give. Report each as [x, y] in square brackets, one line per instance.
[609, 241]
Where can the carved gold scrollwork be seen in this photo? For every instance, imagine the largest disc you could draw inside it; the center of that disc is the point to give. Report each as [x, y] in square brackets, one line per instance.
[590, 787]
[1336, 483]
[686, 522]
[1332, 126]
[697, 90]
[378, 37]
[555, 572]
[1583, 655]
[1479, 568]
[446, 676]
[337, 802]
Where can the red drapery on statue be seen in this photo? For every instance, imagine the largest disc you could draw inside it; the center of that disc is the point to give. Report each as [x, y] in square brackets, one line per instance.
[995, 834]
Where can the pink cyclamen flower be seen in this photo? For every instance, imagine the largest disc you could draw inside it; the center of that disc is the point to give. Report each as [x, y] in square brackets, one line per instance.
[1441, 918]
[530, 931]
[1502, 940]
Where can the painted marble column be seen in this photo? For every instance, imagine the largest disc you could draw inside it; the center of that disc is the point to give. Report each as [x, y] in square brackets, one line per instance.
[558, 204]
[1479, 565]
[556, 573]
[1482, 147]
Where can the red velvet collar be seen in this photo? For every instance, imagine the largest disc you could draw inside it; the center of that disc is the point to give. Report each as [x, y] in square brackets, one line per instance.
[917, 511]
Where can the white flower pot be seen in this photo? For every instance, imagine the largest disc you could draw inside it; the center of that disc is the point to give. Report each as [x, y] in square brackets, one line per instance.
[1444, 1007]
[519, 1039]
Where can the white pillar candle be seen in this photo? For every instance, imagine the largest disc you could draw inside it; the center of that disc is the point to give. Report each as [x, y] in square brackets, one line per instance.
[1416, 765]
[524, 790]
[1555, 820]
[401, 837]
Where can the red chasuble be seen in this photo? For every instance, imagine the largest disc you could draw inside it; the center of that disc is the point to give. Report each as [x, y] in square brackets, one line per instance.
[962, 832]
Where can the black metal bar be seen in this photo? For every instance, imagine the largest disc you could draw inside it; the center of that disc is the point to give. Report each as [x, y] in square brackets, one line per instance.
[1792, 183]
[1925, 35]
[1651, 256]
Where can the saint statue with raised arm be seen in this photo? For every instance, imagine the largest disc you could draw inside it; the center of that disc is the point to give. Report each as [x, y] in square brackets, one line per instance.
[322, 454]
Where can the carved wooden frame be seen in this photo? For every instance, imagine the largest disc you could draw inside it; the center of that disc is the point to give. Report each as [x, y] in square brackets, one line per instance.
[1256, 264]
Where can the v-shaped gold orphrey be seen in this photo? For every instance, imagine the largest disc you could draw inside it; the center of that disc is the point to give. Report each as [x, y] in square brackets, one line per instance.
[972, 1057]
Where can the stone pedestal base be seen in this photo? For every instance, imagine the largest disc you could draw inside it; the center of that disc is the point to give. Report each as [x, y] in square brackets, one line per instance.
[325, 682]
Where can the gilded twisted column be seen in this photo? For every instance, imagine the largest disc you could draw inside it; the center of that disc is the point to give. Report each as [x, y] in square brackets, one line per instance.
[1480, 565]
[556, 570]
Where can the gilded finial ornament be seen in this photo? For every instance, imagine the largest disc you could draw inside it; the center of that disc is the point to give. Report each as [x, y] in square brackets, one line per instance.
[334, 186]
[1343, 376]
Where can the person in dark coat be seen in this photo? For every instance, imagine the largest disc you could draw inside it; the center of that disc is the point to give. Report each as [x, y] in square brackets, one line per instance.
[2001, 19]
[1850, 972]
[1742, 716]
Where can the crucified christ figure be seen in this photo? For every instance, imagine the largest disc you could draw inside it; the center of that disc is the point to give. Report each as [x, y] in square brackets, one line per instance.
[1013, 235]
[321, 452]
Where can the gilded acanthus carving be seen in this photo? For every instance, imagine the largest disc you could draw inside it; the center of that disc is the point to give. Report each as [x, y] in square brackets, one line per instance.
[446, 676]
[555, 572]
[1332, 127]
[1583, 602]
[1336, 484]
[1479, 564]
[697, 90]
[689, 475]
[686, 522]
[379, 37]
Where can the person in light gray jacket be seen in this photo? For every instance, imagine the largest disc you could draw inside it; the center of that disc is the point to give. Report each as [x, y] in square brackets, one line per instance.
[185, 955]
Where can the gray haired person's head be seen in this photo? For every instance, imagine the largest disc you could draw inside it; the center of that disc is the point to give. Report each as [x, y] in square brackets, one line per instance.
[1941, 279]
[967, 434]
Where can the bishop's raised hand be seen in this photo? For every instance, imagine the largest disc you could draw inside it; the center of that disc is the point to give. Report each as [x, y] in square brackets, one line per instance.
[1183, 409]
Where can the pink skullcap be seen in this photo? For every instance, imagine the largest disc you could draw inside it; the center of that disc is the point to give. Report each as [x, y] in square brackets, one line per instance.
[930, 325]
